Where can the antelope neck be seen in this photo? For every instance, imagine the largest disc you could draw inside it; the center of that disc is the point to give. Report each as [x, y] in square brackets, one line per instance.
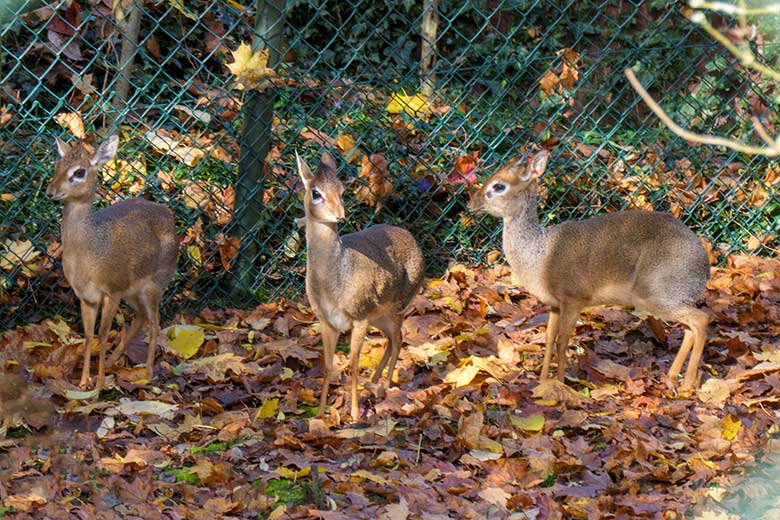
[323, 246]
[524, 219]
[524, 237]
[74, 215]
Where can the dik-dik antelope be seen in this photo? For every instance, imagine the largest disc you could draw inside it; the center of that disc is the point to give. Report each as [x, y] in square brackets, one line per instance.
[125, 251]
[355, 280]
[648, 260]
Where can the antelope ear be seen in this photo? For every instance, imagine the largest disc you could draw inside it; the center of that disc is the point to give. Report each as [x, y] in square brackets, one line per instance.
[537, 165]
[516, 167]
[327, 162]
[303, 170]
[62, 147]
[105, 152]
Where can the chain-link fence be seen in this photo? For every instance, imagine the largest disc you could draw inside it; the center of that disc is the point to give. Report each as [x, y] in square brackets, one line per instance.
[417, 98]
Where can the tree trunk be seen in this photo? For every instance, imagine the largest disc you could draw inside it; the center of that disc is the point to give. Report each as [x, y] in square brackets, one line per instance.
[255, 141]
[129, 25]
[429, 30]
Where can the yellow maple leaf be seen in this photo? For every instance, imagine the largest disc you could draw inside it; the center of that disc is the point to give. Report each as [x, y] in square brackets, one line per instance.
[292, 474]
[251, 68]
[462, 376]
[185, 340]
[731, 425]
[241, 59]
[268, 409]
[416, 105]
[529, 423]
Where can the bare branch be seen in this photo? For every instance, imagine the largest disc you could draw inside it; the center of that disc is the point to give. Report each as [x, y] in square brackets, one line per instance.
[723, 7]
[771, 151]
[762, 133]
[744, 55]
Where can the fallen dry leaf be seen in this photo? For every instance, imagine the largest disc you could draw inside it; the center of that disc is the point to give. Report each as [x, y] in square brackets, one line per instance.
[217, 368]
[185, 154]
[185, 340]
[375, 183]
[73, 122]
[554, 392]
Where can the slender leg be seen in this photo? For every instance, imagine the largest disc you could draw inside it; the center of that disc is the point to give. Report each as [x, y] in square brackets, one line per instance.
[383, 362]
[551, 333]
[359, 329]
[699, 323]
[330, 337]
[566, 322]
[138, 322]
[682, 355]
[396, 342]
[107, 312]
[150, 301]
[88, 316]
[390, 325]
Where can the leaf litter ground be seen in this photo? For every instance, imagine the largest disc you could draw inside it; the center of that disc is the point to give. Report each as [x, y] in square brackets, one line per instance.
[226, 430]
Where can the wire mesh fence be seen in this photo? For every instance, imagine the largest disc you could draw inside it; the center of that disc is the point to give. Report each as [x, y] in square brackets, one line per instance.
[417, 98]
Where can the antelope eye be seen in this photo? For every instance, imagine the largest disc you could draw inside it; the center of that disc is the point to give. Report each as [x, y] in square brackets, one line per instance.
[316, 196]
[78, 175]
[499, 188]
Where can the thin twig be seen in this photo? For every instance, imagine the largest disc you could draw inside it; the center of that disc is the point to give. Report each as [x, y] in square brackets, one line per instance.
[762, 133]
[419, 450]
[723, 7]
[772, 151]
[744, 55]
[742, 16]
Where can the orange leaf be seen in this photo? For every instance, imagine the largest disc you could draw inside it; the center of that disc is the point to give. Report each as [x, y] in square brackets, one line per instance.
[548, 82]
[377, 185]
[72, 121]
[228, 248]
[349, 151]
[464, 171]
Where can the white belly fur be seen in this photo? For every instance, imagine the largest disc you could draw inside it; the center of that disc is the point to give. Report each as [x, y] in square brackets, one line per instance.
[331, 314]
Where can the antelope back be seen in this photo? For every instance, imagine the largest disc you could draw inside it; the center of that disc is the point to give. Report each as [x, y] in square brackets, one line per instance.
[75, 173]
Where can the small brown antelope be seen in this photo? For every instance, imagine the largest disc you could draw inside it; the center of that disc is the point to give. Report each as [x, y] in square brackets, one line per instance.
[645, 259]
[356, 280]
[125, 251]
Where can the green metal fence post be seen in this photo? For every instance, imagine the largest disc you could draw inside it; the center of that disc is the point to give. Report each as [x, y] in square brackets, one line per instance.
[255, 139]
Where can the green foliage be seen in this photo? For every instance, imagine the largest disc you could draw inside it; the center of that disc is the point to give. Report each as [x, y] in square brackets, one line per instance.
[287, 491]
[184, 475]
[19, 433]
[209, 448]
